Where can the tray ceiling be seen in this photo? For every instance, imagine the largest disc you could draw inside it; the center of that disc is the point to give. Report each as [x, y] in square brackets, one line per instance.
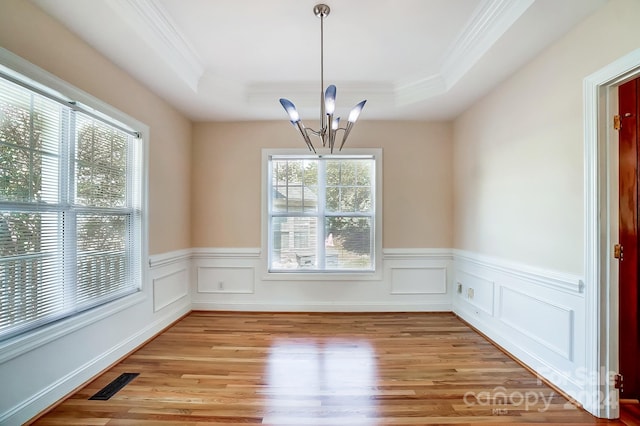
[233, 59]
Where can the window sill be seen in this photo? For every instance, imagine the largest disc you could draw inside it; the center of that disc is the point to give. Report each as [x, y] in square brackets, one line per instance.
[322, 276]
[18, 345]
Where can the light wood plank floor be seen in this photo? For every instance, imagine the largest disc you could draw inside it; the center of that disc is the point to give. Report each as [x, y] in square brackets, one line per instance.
[232, 368]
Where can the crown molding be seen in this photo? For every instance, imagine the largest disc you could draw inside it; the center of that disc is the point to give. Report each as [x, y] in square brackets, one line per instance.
[419, 90]
[490, 20]
[488, 23]
[160, 32]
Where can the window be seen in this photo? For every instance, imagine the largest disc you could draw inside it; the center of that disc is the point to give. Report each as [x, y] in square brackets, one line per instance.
[322, 213]
[70, 207]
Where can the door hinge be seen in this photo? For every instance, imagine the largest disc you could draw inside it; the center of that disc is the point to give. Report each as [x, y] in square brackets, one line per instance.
[618, 252]
[618, 382]
[617, 122]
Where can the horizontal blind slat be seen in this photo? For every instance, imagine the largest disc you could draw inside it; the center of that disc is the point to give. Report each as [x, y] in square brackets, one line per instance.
[69, 208]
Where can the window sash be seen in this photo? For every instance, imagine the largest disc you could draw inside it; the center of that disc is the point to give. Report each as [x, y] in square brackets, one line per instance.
[73, 264]
[322, 260]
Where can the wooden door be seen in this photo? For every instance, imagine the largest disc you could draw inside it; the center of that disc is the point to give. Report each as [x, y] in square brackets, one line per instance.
[629, 348]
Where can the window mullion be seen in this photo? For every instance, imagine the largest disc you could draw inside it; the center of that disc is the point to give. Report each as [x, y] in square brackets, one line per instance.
[321, 225]
[68, 232]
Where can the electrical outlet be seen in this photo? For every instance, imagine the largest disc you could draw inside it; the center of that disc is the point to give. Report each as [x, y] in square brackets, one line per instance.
[470, 293]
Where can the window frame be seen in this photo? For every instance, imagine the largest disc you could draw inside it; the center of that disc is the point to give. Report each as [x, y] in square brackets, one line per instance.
[319, 275]
[21, 70]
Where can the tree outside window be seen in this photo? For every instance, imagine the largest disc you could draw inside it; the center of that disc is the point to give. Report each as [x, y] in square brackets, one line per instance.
[65, 193]
[322, 213]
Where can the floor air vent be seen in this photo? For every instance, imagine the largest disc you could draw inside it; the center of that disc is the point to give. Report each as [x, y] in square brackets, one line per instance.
[113, 387]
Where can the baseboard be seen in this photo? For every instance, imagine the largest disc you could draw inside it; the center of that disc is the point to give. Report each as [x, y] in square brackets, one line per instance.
[322, 307]
[65, 386]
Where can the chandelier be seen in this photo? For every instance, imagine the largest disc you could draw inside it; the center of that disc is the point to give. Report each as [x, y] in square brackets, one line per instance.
[329, 125]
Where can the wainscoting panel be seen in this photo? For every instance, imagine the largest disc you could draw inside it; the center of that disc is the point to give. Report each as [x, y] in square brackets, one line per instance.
[215, 279]
[537, 319]
[170, 279]
[478, 291]
[237, 279]
[536, 315]
[427, 280]
[170, 287]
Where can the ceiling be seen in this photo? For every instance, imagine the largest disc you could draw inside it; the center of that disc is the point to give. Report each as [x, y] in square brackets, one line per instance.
[223, 60]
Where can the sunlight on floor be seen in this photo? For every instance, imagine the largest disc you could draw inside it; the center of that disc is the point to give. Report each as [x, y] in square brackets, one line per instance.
[320, 382]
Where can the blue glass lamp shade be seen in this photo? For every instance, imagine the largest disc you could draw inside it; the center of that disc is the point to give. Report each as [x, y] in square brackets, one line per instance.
[355, 112]
[330, 100]
[291, 110]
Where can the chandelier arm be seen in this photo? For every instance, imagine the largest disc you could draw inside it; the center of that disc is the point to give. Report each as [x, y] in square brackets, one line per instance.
[331, 133]
[305, 135]
[347, 130]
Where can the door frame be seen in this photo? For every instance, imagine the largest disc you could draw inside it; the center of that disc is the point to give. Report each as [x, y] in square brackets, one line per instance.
[601, 232]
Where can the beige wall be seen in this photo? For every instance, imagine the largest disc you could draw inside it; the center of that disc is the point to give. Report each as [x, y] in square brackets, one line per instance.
[516, 162]
[518, 153]
[417, 180]
[28, 32]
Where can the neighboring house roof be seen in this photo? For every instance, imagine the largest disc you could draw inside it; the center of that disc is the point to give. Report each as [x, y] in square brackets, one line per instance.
[294, 196]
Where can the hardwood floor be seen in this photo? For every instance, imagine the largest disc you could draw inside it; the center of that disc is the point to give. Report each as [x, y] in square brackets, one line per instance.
[233, 368]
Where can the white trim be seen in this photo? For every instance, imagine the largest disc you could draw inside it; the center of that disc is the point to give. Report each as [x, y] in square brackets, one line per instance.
[556, 280]
[489, 22]
[151, 19]
[29, 341]
[51, 394]
[417, 253]
[441, 290]
[600, 349]
[157, 306]
[221, 290]
[224, 253]
[322, 276]
[568, 353]
[377, 153]
[322, 307]
[164, 259]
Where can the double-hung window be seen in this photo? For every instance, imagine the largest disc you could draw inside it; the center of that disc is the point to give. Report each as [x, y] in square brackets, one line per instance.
[70, 207]
[322, 213]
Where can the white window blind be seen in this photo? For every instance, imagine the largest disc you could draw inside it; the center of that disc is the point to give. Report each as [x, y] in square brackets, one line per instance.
[321, 213]
[70, 208]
